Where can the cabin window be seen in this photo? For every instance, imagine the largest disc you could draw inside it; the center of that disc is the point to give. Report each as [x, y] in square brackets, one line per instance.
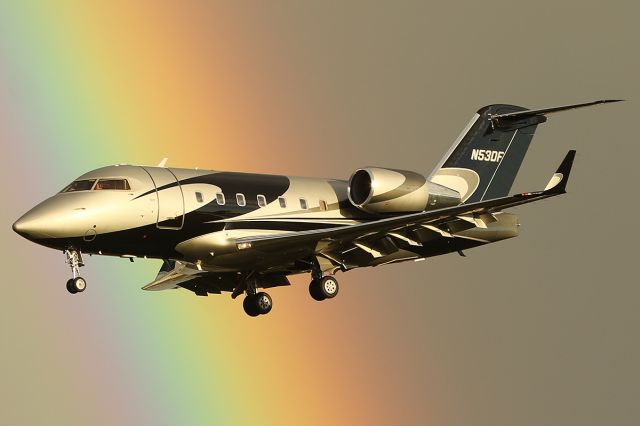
[262, 201]
[283, 202]
[120, 184]
[240, 200]
[199, 197]
[220, 198]
[303, 204]
[323, 205]
[80, 185]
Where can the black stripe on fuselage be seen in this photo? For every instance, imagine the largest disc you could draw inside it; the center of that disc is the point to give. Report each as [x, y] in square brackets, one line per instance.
[279, 225]
[249, 184]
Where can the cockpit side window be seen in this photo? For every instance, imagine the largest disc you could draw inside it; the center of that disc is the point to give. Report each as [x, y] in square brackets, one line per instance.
[119, 184]
[80, 185]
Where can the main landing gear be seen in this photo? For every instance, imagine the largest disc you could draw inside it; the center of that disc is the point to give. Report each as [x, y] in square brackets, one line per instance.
[259, 303]
[256, 303]
[77, 284]
[324, 288]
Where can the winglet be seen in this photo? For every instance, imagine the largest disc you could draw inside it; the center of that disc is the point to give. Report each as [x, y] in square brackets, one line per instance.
[558, 182]
[163, 162]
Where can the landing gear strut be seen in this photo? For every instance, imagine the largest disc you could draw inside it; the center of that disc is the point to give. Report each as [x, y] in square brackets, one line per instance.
[77, 284]
[256, 303]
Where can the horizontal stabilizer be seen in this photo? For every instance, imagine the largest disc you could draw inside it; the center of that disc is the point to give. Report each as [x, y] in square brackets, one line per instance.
[505, 120]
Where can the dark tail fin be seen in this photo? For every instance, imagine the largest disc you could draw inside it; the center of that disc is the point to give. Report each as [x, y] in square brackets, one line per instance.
[483, 162]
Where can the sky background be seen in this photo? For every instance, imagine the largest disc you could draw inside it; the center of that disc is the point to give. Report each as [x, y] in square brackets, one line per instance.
[542, 329]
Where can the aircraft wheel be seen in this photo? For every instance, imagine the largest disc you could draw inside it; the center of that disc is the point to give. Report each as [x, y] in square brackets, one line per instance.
[315, 292]
[328, 287]
[250, 306]
[263, 303]
[76, 285]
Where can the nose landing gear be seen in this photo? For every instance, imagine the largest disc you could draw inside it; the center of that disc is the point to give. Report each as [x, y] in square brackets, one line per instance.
[77, 284]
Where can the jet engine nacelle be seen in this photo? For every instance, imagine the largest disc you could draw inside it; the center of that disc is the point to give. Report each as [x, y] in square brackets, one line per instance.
[377, 190]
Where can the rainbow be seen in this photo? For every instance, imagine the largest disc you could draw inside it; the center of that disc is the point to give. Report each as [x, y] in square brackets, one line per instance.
[84, 85]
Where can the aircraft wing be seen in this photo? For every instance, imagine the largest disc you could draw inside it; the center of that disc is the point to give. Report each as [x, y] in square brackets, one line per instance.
[172, 275]
[176, 274]
[435, 219]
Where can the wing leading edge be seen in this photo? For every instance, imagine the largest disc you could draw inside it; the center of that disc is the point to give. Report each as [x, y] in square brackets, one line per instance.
[500, 120]
[556, 186]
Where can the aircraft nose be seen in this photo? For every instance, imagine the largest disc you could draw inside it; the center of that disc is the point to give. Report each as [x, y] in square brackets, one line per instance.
[54, 218]
[32, 225]
[20, 228]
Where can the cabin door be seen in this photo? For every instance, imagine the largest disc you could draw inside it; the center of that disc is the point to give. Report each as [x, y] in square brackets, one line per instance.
[170, 198]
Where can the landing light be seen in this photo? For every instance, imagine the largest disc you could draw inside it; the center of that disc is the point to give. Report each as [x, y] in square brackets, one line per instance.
[242, 246]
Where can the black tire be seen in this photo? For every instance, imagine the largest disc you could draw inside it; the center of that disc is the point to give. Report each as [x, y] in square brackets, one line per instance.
[78, 284]
[250, 306]
[315, 292]
[328, 287]
[263, 303]
[70, 287]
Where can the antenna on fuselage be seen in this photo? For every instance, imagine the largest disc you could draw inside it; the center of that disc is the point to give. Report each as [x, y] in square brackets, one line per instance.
[163, 162]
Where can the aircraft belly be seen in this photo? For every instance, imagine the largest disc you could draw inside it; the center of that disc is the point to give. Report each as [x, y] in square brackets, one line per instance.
[218, 251]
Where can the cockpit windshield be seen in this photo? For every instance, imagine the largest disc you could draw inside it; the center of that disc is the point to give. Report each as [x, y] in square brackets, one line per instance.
[121, 184]
[80, 185]
[103, 184]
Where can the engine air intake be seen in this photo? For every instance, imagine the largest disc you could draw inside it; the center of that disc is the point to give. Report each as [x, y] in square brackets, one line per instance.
[377, 190]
